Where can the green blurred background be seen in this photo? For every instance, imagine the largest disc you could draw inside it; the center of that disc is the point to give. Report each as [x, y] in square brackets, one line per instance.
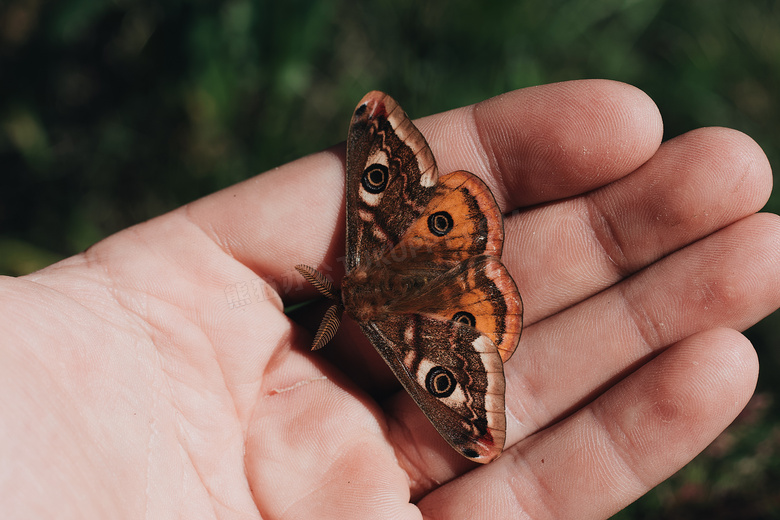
[113, 112]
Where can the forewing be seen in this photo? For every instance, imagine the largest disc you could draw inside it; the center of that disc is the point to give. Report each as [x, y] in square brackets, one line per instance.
[391, 177]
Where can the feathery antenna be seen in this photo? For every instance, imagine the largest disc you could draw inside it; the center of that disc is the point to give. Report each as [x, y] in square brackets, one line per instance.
[332, 319]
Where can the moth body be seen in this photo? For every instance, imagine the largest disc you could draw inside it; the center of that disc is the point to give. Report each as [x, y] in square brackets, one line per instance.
[369, 293]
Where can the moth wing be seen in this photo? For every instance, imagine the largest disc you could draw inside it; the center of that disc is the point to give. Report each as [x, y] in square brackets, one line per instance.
[461, 221]
[391, 176]
[478, 292]
[428, 256]
[455, 375]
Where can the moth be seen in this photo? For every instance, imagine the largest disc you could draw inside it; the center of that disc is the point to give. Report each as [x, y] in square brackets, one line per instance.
[424, 278]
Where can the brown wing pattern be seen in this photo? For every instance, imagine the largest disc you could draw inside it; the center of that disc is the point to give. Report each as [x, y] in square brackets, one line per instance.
[391, 176]
[461, 390]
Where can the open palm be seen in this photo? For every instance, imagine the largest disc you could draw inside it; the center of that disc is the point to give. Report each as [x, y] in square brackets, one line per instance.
[156, 375]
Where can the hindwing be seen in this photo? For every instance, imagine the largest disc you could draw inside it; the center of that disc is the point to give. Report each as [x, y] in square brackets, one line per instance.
[455, 375]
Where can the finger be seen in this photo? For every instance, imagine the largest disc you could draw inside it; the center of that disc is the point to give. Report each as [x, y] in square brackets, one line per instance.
[290, 215]
[606, 455]
[549, 142]
[694, 185]
[731, 279]
[294, 214]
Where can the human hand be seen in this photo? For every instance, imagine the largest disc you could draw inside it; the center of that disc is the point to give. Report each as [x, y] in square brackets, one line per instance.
[156, 374]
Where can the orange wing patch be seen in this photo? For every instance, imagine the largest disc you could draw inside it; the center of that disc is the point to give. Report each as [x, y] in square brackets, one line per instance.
[480, 293]
[460, 221]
